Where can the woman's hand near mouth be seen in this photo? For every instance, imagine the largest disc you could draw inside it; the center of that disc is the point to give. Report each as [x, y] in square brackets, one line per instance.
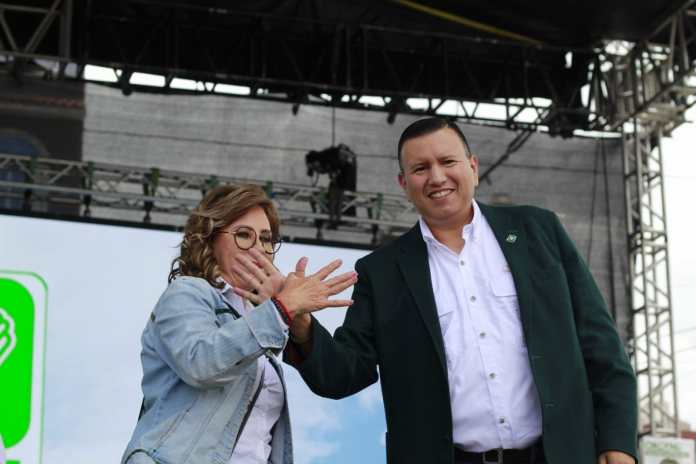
[260, 277]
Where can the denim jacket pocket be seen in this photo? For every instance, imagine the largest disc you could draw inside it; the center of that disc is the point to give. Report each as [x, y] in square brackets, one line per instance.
[171, 430]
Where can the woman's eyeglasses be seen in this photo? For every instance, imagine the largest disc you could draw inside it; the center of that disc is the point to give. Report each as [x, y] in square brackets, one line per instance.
[245, 238]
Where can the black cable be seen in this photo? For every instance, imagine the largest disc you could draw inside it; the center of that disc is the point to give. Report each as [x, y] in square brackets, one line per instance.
[333, 126]
[610, 237]
[517, 143]
[595, 172]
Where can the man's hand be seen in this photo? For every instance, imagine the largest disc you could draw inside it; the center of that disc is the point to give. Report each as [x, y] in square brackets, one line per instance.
[615, 457]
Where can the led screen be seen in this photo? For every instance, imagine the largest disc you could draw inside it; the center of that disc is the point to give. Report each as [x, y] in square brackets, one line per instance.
[74, 298]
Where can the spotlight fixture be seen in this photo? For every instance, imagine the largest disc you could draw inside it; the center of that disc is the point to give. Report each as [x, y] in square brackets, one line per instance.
[339, 162]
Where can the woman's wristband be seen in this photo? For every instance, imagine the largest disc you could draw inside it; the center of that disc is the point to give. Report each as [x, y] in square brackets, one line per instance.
[283, 310]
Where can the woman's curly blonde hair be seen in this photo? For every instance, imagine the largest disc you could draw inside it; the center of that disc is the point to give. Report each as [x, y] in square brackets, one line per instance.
[220, 207]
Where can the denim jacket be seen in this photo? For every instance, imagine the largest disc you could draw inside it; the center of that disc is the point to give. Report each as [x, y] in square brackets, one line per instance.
[200, 378]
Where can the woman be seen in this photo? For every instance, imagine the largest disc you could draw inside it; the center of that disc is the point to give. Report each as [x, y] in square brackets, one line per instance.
[213, 389]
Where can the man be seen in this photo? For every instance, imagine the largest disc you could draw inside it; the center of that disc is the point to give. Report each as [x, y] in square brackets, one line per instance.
[492, 340]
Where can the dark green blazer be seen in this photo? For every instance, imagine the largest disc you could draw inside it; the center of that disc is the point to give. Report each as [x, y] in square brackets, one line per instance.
[586, 386]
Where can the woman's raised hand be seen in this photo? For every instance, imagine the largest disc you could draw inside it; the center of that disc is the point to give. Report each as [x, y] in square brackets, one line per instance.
[305, 294]
[259, 275]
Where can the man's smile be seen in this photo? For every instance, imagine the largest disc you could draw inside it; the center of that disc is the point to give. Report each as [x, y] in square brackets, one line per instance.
[437, 194]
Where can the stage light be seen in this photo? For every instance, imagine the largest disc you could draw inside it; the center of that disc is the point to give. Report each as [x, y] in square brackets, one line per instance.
[340, 163]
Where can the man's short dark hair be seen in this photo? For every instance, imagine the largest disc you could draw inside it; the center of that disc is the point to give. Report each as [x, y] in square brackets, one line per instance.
[428, 126]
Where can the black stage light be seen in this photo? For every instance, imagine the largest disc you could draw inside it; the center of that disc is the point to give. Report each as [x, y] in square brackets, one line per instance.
[340, 163]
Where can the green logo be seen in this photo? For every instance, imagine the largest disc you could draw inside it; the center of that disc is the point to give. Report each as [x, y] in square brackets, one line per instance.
[22, 310]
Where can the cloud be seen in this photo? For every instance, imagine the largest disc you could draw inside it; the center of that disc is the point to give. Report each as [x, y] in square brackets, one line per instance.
[311, 451]
[370, 398]
[315, 422]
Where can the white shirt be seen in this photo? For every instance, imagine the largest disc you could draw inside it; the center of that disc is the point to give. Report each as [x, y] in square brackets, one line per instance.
[492, 392]
[254, 444]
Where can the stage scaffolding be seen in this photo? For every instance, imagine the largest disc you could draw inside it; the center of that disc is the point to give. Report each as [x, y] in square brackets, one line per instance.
[652, 84]
[639, 89]
[172, 195]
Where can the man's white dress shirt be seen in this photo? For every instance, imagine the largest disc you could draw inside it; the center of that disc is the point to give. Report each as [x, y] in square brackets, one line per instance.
[492, 392]
[254, 444]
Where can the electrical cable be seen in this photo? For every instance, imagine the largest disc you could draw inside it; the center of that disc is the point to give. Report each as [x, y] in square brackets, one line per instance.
[333, 126]
[595, 172]
[610, 235]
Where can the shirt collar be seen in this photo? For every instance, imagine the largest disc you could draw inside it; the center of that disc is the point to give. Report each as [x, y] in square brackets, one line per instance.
[226, 287]
[227, 291]
[469, 231]
[474, 227]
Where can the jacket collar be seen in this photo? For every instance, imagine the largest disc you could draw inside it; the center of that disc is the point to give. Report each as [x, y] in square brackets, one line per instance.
[413, 262]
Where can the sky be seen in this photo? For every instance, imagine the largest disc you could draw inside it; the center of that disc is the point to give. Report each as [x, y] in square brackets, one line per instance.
[679, 166]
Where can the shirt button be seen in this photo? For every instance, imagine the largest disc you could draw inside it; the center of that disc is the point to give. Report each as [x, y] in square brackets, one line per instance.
[501, 420]
[482, 335]
[462, 262]
[473, 299]
[492, 375]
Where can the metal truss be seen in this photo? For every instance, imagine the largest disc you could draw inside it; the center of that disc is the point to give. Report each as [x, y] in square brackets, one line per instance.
[653, 81]
[50, 28]
[512, 85]
[92, 185]
[652, 344]
[314, 62]
[651, 85]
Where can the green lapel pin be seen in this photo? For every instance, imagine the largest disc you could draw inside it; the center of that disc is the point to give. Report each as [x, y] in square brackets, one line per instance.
[511, 238]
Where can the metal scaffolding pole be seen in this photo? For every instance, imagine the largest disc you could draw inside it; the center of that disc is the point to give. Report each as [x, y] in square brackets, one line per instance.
[652, 343]
[650, 86]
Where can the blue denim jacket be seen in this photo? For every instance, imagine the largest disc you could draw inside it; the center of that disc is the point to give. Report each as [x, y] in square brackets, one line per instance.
[200, 378]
